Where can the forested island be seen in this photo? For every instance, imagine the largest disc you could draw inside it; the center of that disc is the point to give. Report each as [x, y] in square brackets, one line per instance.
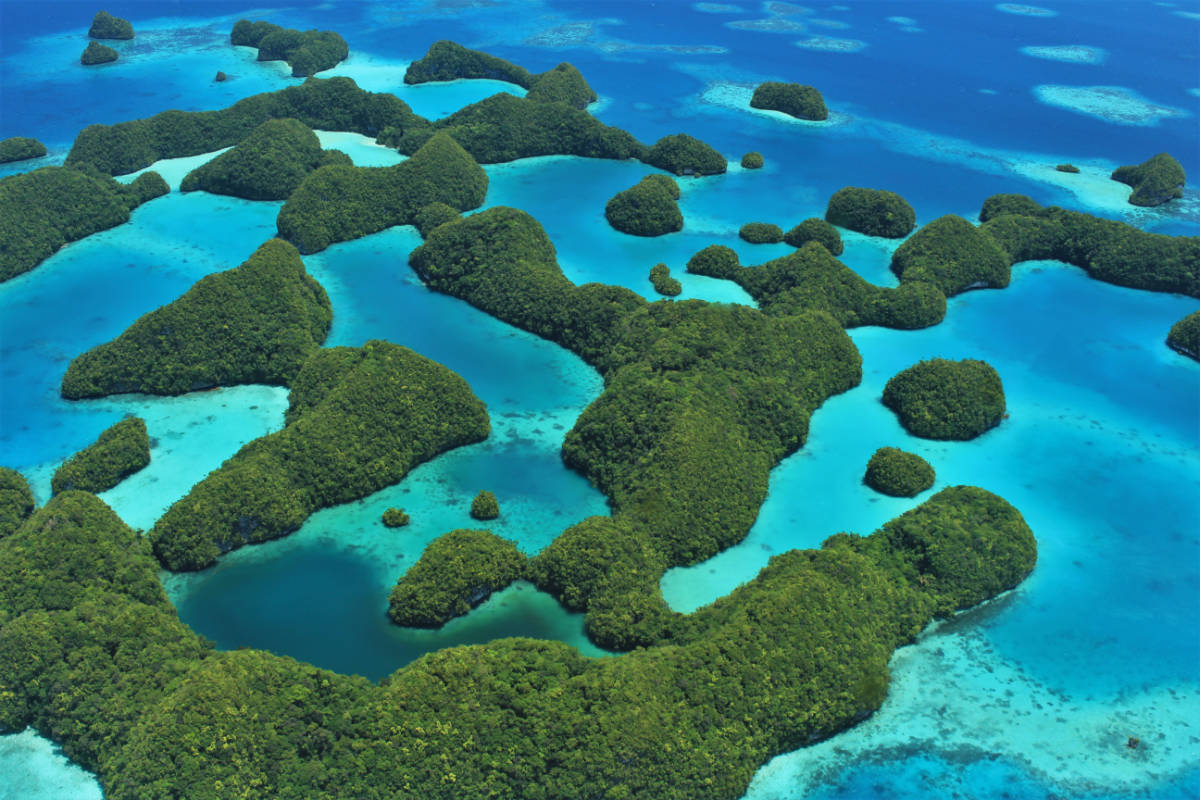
[106, 26]
[306, 52]
[648, 208]
[794, 99]
[20, 148]
[1154, 181]
[121, 450]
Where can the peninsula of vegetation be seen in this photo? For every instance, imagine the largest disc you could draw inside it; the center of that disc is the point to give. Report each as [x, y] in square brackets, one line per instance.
[20, 148]
[269, 164]
[106, 26]
[121, 450]
[953, 255]
[1154, 181]
[42, 210]
[256, 323]
[306, 52]
[815, 230]
[942, 399]
[457, 571]
[648, 208]
[794, 99]
[358, 420]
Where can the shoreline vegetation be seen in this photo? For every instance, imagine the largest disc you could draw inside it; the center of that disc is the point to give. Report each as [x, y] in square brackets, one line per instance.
[121, 450]
[306, 52]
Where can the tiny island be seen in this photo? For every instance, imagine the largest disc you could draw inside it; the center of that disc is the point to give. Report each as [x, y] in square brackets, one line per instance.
[794, 99]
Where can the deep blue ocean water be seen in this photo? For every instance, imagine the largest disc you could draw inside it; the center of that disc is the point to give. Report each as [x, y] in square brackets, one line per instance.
[1033, 695]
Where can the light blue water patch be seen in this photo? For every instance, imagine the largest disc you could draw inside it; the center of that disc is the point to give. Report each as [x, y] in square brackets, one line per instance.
[33, 768]
[362, 149]
[91, 291]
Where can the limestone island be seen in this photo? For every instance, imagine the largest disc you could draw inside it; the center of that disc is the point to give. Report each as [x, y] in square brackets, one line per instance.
[306, 52]
[814, 229]
[761, 233]
[395, 518]
[1184, 336]
[121, 450]
[96, 53]
[794, 99]
[898, 473]
[20, 148]
[875, 212]
[648, 208]
[485, 506]
[685, 155]
[457, 571]
[664, 284]
[256, 323]
[1154, 181]
[949, 400]
[106, 26]
[752, 160]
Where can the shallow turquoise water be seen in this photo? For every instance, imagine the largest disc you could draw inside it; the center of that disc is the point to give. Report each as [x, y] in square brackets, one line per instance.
[1031, 696]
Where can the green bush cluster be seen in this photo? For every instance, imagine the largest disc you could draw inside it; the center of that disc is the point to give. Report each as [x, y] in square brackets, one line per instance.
[20, 148]
[1107, 250]
[256, 323]
[664, 284]
[648, 208]
[306, 52]
[457, 571]
[942, 399]
[358, 420]
[504, 128]
[339, 203]
[42, 210]
[895, 472]
[395, 518]
[16, 500]
[1184, 336]
[875, 212]
[794, 99]
[815, 230]
[96, 53]
[485, 506]
[685, 155]
[269, 164]
[334, 104]
[1154, 181]
[700, 402]
[752, 160]
[953, 255]
[121, 450]
[430, 216]
[1071, 168]
[761, 233]
[448, 61]
[106, 26]
[811, 279]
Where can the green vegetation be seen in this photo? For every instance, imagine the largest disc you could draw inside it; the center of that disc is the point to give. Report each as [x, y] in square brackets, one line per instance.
[269, 164]
[430, 216]
[221, 77]
[874, 212]
[358, 420]
[339, 203]
[106, 26]
[1184, 336]
[797, 100]
[752, 160]
[395, 518]
[16, 501]
[485, 506]
[811, 279]
[448, 61]
[256, 323]
[121, 450]
[1068, 168]
[648, 208]
[815, 230]
[954, 256]
[306, 52]
[685, 155]
[20, 148]
[504, 128]
[1154, 181]
[761, 233]
[96, 53]
[335, 104]
[700, 402]
[42, 210]
[941, 399]
[457, 571]
[664, 284]
[898, 473]
[1108, 251]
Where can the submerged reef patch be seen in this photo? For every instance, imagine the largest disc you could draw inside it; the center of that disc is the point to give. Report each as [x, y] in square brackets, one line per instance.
[120, 451]
[829, 44]
[1114, 104]
[1068, 54]
[1025, 10]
